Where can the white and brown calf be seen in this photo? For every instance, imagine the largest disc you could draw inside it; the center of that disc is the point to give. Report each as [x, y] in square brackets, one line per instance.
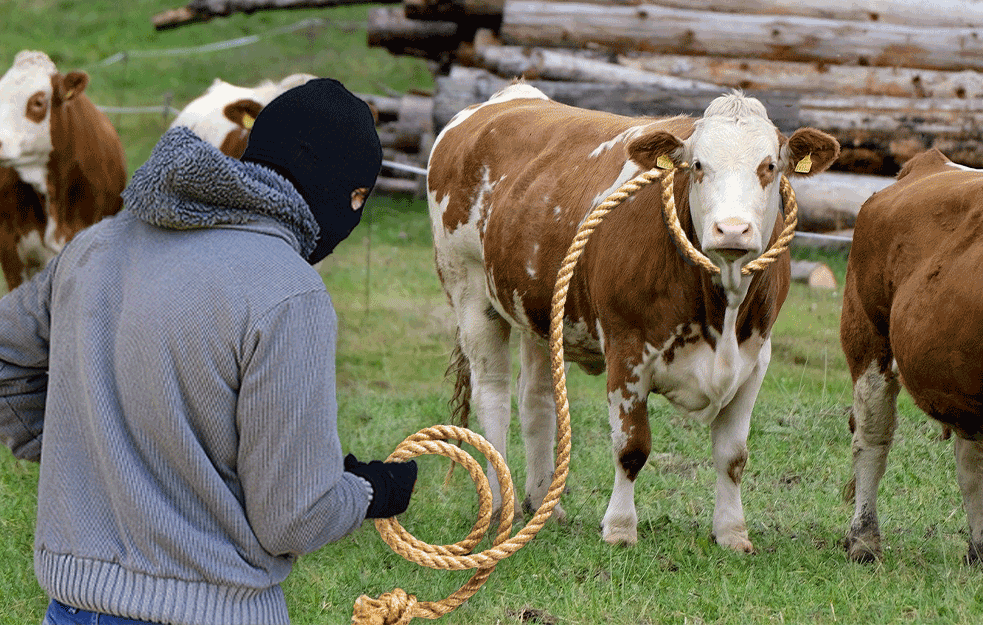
[509, 182]
[224, 114]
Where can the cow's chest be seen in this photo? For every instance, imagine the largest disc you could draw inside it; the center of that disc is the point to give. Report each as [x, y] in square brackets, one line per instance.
[697, 377]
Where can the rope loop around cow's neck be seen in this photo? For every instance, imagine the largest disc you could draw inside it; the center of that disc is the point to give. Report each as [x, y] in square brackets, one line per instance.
[689, 250]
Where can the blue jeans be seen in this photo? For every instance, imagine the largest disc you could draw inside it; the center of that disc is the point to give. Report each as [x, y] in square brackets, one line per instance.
[61, 614]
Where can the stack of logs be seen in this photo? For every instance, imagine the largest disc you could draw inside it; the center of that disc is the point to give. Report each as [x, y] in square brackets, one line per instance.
[887, 78]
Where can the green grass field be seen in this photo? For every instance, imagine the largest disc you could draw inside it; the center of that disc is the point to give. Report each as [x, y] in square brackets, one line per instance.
[395, 337]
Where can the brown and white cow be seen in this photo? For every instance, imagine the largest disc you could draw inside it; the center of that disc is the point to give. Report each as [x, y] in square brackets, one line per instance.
[509, 182]
[22, 223]
[224, 114]
[60, 144]
[913, 316]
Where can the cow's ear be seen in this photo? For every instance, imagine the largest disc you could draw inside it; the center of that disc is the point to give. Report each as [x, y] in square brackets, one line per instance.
[808, 151]
[243, 112]
[71, 84]
[656, 149]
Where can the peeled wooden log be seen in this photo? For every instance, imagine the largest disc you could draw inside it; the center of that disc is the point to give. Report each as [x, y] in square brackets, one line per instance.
[816, 274]
[546, 64]
[946, 13]
[753, 74]
[831, 200]
[658, 29]
[938, 14]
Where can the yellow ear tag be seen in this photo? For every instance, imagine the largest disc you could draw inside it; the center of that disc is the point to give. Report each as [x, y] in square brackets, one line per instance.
[664, 162]
[805, 165]
[247, 121]
[68, 94]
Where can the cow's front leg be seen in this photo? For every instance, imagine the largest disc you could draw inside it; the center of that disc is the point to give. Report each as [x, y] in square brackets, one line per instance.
[632, 443]
[969, 473]
[728, 435]
[537, 413]
[875, 417]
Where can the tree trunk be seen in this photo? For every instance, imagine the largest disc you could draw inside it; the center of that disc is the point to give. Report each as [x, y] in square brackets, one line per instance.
[651, 28]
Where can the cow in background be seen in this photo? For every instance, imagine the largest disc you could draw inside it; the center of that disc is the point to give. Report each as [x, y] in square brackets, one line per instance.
[22, 222]
[224, 114]
[509, 182]
[63, 147]
[913, 317]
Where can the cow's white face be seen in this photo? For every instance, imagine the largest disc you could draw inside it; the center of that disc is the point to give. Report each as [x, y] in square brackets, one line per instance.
[737, 159]
[25, 115]
[734, 192]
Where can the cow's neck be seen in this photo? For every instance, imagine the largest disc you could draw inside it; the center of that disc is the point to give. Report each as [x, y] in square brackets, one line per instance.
[728, 296]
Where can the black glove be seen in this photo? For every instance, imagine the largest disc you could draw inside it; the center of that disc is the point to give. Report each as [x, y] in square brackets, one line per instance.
[392, 484]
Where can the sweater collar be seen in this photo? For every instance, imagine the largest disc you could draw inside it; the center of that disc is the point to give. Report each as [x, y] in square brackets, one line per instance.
[188, 183]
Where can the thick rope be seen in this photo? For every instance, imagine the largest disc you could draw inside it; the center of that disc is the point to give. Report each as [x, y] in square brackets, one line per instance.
[398, 607]
[759, 263]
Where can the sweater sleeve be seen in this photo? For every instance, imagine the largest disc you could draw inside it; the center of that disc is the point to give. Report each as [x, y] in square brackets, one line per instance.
[298, 496]
[25, 328]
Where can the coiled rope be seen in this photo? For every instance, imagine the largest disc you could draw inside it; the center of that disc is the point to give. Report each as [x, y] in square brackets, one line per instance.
[398, 607]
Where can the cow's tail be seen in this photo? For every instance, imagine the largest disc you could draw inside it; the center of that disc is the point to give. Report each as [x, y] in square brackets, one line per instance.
[460, 369]
[460, 402]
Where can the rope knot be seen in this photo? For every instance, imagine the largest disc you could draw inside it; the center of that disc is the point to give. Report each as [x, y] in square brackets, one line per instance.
[391, 608]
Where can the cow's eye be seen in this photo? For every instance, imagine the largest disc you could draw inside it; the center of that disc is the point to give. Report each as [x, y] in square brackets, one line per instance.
[771, 166]
[697, 166]
[37, 107]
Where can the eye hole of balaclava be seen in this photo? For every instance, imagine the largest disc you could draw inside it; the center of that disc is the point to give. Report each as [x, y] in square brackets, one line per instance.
[358, 197]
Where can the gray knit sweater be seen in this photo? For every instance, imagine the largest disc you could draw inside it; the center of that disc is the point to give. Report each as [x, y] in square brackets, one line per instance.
[179, 360]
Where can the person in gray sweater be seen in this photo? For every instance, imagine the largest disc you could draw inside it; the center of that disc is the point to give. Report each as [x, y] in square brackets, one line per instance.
[173, 370]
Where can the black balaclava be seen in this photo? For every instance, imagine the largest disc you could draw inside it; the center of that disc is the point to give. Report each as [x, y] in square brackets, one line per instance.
[322, 138]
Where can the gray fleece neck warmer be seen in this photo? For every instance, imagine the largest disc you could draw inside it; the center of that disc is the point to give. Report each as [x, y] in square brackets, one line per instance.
[188, 183]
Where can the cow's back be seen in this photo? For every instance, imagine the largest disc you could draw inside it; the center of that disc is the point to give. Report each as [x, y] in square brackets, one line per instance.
[518, 177]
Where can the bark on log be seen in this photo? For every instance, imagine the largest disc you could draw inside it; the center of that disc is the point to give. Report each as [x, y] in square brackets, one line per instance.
[651, 28]
[752, 74]
[831, 200]
[466, 86]
[388, 28]
[204, 10]
[816, 274]
[879, 134]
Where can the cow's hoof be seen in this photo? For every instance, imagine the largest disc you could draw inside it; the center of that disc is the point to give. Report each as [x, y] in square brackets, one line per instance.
[974, 555]
[615, 535]
[863, 549]
[559, 515]
[737, 541]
